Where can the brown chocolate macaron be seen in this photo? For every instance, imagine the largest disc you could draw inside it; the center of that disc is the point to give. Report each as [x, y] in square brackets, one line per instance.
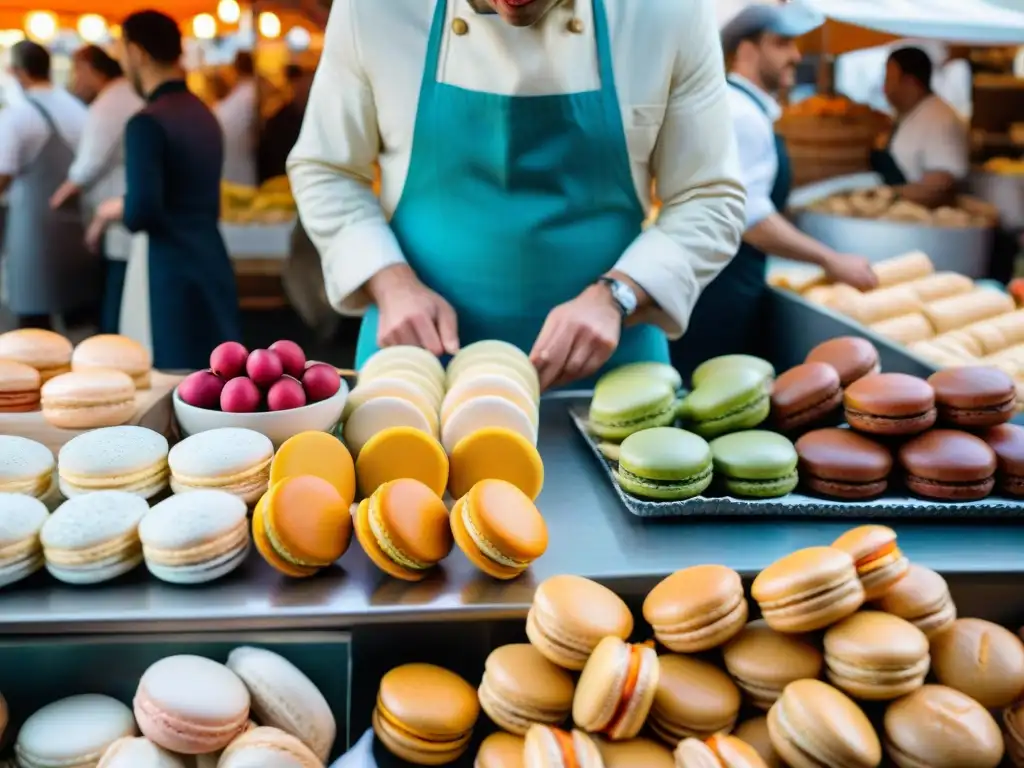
[940, 727]
[948, 465]
[879, 560]
[694, 699]
[922, 598]
[755, 733]
[1007, 440]
[763, 662]
[805, 395]
[890, 404]
[851, 356]
[843, 464]
[974, 396]
[981, 659]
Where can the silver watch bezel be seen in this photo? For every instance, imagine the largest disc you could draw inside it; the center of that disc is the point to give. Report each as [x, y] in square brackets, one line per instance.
[624, 296]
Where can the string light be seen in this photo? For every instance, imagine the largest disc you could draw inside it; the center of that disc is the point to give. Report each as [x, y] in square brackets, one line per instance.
[229, 11]
[41, 26]
[269, 25]
[204, 27]
[92, 28]
[298, 38]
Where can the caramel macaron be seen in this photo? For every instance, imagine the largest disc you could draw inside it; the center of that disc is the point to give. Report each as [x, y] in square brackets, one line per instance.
[697, 608]
[940, 727]
[922, 598]
[694, 699]
[425, 714]
[981, 659]
[114, 352]
[948, 465]
[635, 753]
[548, 747]
[890, 404]
[46, 351]
[1007, 440]
[763, 662]
[876, 656]
[403, 528]
[719, 751]
[570, 615]
[501, 750]
[879, 560]
[808, 590]
[974, 396]
[852, 357]
[521, 688]
[814, 724]
[755, 733]
[616, 689]
[88, 399]
[843, 464]
[19, 387]
[499, 529]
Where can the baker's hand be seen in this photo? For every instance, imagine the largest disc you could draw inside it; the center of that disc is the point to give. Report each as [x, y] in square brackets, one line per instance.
[577, 338]
[64, 192]
[107, 213]
[851, 270]
[411, 313]
[94, 233]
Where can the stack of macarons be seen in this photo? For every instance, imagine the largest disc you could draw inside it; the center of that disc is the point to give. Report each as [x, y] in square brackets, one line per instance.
[20, 386]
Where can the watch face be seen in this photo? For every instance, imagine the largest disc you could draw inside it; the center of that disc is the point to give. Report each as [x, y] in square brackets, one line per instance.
[625, 296]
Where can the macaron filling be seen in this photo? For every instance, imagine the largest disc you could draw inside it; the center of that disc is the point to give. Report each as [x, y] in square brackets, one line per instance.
[666, 412]
[882, 557]
[489, 551]
[385, 542]
[785, 480]
[566, 748]
[925, 415]
[635, 656]
[678, 483]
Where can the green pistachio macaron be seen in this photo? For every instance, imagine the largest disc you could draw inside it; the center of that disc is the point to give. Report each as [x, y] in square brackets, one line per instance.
[629, 404]
[667, 464]
[731, 362]
[660, 371]
[756, 464]
[728, 400]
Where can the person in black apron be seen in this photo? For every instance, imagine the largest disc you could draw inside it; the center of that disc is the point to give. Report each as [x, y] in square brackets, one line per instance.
[728, 316]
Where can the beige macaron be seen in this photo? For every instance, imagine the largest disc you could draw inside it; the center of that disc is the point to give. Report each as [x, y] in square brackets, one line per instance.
[46, 351]
[694, 699]
[402, 358]
[118, 353]
[876, 656]
[763, 662]
[719, 751]
[484, 412]
[89, 399]
[138, 752]
[489, 385]
[19, 387]
[922, 598]
[397, 388]
[981, 659]
[755, 733]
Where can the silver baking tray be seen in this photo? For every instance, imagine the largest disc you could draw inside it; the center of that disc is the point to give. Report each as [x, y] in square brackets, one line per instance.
[796, 504]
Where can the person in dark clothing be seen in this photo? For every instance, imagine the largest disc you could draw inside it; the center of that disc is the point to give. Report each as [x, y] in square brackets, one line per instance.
[180, 294]
[282, 129]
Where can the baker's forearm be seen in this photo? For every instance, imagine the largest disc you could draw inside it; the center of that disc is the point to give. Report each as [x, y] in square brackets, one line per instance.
[775, 235]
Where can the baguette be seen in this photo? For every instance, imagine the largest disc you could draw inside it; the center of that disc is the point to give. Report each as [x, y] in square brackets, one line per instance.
[955, 312]
[1011, 326]
[903, 269]
[886, 303]
[905, 329]
[940, 285]
[938, 356]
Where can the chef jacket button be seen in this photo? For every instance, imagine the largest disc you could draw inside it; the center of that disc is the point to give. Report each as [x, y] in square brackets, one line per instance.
[575, 26]
[459, 26]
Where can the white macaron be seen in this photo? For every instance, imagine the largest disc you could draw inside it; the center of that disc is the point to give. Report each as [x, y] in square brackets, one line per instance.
[379, 414]
[138, 752]
[389, 387]
[431, 388]
[402, 357]
[525, 375]
[21, 519]
[488, 385]
[25, 466]
[483, 412]
[127, 458]
[73, 732]
[228, 459]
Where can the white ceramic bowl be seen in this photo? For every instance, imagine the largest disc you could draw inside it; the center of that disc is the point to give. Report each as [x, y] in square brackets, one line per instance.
[277, 425]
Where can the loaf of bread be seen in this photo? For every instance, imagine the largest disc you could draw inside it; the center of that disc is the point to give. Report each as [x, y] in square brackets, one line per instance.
[884, 303]
[905, 329]
[962, 340]
[1011, 326]
[940, 285]
[955, 312]
[903, 269]
[821, 294]
[938, 356]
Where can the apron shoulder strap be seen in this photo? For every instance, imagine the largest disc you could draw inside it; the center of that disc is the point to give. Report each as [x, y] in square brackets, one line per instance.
[749, 94]
[55, 134]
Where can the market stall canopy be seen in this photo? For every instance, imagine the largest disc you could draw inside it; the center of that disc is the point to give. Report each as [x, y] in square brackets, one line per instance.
[856, 24]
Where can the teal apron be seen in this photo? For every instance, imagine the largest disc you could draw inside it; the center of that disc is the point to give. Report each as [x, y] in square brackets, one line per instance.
[728, 316]
[884, 164]
[514, 205]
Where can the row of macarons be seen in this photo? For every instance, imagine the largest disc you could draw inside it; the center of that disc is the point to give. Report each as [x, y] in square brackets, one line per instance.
[487, 384]
[946, 465]
[191, 712]
[880, 657]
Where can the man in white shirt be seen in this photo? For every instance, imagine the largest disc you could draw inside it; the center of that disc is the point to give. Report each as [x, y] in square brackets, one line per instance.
[517, 142]
[98, 171]
[762, 55]
[239, 117]
[47, 270]
[929, 151]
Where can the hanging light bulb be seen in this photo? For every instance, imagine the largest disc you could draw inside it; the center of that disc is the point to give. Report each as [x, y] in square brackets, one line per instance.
[204, 27]
[269, 25]
[298, 38]
[41, 26]
[229, 11]
[92, 28]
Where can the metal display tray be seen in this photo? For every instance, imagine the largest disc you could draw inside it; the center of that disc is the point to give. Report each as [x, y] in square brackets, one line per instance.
[796, 504]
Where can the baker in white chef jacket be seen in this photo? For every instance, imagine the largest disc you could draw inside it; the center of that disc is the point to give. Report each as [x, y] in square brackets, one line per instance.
[928, 153]
[517, 142]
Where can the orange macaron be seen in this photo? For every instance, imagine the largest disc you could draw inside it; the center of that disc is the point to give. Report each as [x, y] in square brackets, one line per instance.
[616, 690]
[401, 453]
[879, 561]
[499, 529]
[19, 387]
[495, 453]
[301, 525]
[403, 528]
[316, 453]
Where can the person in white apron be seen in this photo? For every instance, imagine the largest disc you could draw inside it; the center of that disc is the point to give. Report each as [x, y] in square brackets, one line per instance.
[517, 143]
[47, 270]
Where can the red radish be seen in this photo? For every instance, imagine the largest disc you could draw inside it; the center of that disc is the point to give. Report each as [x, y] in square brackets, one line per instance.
[228, 360]
[240, 395]
[286, 394]
[264, 367]
[292, 357]
[320, 381]
[201, 389]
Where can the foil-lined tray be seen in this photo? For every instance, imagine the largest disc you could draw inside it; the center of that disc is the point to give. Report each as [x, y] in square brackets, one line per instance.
[797, 504]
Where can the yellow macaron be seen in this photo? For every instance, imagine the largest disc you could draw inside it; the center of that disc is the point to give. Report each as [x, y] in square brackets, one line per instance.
[401, 453]
[494, 453]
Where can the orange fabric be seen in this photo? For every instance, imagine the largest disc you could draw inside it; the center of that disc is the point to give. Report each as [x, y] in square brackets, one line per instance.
[836, 37]
[12, 13]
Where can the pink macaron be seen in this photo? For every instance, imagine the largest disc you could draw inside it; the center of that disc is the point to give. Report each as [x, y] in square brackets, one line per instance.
[191, 705]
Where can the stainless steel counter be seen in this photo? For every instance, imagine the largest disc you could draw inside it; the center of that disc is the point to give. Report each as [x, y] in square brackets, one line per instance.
[591, 534]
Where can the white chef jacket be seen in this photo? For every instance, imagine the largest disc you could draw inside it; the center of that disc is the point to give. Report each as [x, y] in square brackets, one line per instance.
[753, 122]
[669, 75]
[98, 169]
[238, 119]
[23, 131]
[932, 138]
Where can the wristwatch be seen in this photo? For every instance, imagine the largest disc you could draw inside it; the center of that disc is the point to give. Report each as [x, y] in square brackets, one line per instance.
[622, 294]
